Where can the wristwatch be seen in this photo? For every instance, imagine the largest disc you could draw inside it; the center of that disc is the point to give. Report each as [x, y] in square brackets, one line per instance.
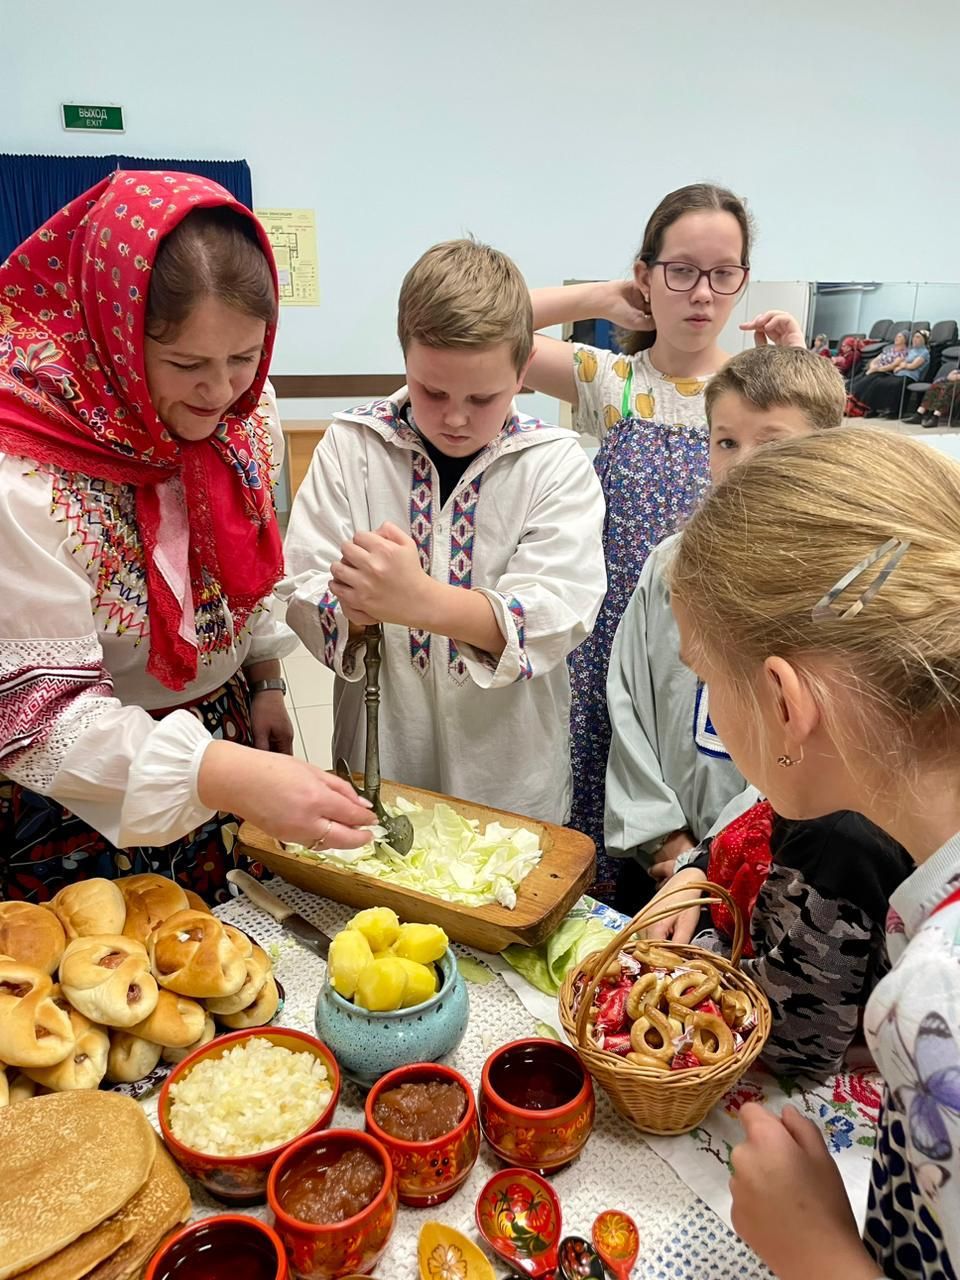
[262, 686]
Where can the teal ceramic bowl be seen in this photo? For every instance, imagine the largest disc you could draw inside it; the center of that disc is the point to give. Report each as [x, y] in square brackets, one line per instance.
[368, 1045]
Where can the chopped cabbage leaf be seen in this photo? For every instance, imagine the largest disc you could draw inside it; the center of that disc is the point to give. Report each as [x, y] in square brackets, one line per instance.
[546, 966]
[474, 971]
[451, 857]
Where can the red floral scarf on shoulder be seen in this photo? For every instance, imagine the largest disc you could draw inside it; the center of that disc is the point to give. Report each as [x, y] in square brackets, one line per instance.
[73, 394]
[740, 861]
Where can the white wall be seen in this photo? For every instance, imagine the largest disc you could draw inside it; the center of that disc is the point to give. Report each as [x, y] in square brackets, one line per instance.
[550, 127]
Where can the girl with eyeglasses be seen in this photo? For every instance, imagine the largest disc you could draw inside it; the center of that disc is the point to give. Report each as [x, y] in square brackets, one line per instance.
[646, 404]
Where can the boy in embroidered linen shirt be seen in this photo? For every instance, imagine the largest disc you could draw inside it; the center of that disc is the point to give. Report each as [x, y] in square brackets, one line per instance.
[471, 532]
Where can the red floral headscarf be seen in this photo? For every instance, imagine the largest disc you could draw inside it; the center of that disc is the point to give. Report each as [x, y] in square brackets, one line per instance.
[740, 859]
[73, 394]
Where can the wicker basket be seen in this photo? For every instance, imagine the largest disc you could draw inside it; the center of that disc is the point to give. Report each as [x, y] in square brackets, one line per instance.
[655, 1101]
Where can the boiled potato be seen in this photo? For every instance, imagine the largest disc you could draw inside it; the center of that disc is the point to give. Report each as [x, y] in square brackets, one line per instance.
[424, 943]
[381, 986]
[421, 982]
[379, 925]
[349, 955]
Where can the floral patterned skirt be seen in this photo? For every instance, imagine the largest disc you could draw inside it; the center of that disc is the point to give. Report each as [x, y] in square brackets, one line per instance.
[44, 846]
[652, 477]
[943, 398]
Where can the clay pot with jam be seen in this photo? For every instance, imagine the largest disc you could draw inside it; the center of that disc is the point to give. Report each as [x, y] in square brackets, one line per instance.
[426, 1118]
[334, 1200]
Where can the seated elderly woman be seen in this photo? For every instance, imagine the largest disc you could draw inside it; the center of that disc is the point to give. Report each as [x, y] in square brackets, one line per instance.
[879, 392]
[848, 355]
[940, 406]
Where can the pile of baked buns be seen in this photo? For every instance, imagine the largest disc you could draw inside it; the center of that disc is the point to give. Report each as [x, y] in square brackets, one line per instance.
[87, 1189]
[113, 975]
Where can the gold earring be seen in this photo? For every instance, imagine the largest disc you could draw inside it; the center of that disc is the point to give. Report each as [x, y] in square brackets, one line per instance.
[787, 762]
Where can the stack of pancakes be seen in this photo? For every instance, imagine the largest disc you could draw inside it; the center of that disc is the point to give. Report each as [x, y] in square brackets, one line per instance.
[87, 1191]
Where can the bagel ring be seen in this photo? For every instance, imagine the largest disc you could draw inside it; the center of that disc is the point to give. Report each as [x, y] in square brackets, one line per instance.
[681, 1012]
[652, 1034]
[646, 991]
[645, 1060]
[658, 957]
[712, 1039]
[692, 989]
[703, 966]
[735, 1007]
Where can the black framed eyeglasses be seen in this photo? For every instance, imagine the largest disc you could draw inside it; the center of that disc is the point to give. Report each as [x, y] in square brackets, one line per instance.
[683, 277]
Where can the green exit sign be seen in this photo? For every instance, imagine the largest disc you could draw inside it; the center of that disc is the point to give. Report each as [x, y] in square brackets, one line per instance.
[105, 119]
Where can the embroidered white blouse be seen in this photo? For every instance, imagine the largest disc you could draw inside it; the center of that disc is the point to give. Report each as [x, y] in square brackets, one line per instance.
[523, 526]
[74, 691]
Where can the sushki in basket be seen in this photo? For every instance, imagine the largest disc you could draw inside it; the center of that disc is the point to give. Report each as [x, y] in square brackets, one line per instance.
[662, 1011]
[665, 1029]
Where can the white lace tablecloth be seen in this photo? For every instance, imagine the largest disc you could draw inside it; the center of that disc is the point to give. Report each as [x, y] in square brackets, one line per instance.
[680, 1237]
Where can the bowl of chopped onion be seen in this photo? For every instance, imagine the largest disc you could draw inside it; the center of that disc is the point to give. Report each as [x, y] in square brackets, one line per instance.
[230, 1109]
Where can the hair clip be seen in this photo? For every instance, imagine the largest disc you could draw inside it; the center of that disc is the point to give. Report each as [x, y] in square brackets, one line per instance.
[826, 607]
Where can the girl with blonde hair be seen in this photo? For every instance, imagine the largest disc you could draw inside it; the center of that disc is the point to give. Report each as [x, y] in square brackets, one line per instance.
[815, 592]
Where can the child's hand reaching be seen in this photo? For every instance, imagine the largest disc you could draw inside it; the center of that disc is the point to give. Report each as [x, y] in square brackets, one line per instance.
[789, 1202]
[380, 578]
[777, 327]
[664, 863]
[682, 926]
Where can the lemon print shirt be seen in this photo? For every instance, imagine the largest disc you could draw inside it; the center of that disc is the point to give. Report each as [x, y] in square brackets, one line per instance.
[612, 386]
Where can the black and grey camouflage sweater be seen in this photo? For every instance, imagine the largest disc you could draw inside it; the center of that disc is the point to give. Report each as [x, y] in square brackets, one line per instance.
[818, 934]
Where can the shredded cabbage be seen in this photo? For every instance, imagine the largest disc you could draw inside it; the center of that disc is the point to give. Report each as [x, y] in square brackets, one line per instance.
[451, 857]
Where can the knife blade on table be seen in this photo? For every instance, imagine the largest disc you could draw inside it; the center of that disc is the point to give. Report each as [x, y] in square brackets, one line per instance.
[292, 921]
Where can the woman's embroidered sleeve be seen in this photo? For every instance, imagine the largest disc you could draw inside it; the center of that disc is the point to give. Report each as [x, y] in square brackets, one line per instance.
[63, 733]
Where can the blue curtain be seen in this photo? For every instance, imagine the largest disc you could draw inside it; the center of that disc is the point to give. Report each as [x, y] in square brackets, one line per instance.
[33, 188]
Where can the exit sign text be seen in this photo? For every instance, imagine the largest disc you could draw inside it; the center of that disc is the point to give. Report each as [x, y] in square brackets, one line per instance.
[106, 119]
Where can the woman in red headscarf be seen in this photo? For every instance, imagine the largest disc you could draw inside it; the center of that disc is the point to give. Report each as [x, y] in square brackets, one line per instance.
[140, 547]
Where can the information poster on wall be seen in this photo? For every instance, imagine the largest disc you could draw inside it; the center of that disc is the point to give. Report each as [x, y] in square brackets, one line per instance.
[293, 236]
